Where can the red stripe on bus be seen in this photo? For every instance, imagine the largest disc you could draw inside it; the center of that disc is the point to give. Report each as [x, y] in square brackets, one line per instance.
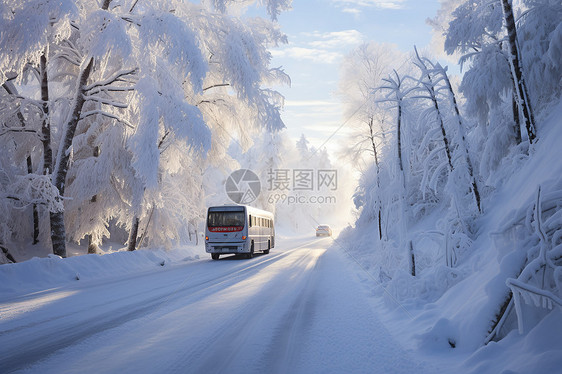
[226, 228]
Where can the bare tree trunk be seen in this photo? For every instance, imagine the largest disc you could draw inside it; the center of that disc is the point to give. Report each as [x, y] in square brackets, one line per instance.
[403, 197]
[441, 124]
[46, 135]
[34, 207]
[145, 232]
[93, 247]
[132, 244]
[7, 253]
[46, 124]
[373, 144]
[430, 87]
[412, 260]
[516, 119]
[399, 137]
[372, 139]
[463, 144]
[58, 234]
[523, 99]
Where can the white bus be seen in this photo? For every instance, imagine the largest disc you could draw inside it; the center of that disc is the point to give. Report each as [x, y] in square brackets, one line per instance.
[238, 229]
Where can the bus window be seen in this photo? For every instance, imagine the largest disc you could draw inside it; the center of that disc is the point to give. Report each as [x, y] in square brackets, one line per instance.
[225, 219]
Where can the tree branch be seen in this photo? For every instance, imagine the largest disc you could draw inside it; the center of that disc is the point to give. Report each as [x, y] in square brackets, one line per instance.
[66, 57]
[216, 85]
[111, 89]
[105, 114]
[117, 77]
[101, 100]
[8, 130]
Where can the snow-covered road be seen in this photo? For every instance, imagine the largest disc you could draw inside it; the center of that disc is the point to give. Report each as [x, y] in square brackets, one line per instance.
[297, 310]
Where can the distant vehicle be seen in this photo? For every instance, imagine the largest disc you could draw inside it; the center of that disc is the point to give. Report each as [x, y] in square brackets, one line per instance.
[323, 230]
[238, 229]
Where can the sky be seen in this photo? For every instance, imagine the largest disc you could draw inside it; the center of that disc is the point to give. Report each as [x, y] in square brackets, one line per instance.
[321, 33]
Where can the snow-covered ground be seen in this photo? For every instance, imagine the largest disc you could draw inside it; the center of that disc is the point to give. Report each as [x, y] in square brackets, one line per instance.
[300, 309]
[444, 306]
[307, 307]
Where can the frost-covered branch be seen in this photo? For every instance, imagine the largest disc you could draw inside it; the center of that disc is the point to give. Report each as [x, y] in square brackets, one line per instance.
[429, 85]
[33, 189]
[105, 101]
[7, 130]
[105, 114]
[120, 76]
[107, 89]
[216, 86]
[213, 101]
[532, 296]
[68, 53]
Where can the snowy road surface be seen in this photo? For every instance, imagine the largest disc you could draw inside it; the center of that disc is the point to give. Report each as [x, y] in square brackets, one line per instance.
[297, 310]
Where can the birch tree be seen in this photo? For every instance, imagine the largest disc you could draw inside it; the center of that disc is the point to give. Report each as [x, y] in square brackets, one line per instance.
[523, 99]
[362, 72]
[26, 33]
[476, 33]
[436, 83]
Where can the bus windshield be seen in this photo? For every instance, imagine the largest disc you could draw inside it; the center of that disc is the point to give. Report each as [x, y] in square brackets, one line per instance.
[226, 219]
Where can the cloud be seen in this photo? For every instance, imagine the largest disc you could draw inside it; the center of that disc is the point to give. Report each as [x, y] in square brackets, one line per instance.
[321, 47]
[353, 11]
[336, 39]
[310, 54]
[352, 6]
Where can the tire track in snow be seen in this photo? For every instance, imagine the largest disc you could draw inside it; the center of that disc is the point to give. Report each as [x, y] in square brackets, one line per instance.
[40, 333]
[237, 341]
[293, 328]
[297, 311]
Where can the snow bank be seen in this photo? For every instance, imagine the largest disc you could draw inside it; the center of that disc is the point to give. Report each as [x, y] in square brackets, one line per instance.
[43, 273]
[473, 303]
[451, 311]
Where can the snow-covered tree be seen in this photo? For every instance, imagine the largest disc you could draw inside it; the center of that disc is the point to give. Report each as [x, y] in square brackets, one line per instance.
[539, 36]
[126, 82]
[522, 93]
[436, 86]
[362, 72]
[477, 33]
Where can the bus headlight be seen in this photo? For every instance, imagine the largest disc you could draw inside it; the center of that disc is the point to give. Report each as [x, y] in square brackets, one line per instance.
[206, 238]
[244, 237]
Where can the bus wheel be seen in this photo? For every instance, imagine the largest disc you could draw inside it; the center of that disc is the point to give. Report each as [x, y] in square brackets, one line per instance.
[215, 256]
[266, 252]
[251, 254]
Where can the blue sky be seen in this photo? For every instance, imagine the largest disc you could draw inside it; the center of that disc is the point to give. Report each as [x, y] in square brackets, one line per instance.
[321, 33]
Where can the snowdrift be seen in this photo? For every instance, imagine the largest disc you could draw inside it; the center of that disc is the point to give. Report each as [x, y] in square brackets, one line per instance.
[455, 309]
[44, 273]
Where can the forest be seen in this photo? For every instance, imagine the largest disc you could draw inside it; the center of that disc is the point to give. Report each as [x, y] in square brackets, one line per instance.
[117, 116]
[437, 154]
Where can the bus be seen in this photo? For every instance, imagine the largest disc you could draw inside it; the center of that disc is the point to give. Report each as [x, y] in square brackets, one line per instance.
[238, 229]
